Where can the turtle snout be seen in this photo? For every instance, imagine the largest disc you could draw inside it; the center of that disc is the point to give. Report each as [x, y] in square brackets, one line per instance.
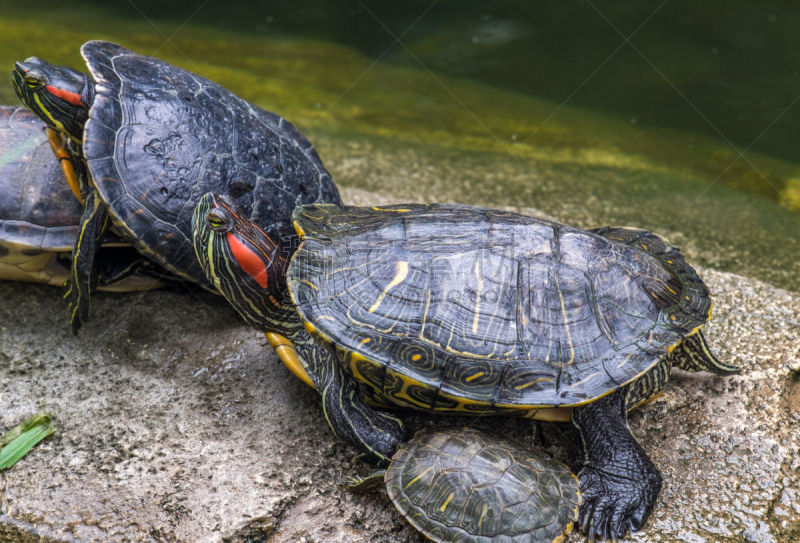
[29, 64]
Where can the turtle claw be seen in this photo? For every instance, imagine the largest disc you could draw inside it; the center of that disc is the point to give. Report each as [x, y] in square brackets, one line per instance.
[616, 504]
[360, 458]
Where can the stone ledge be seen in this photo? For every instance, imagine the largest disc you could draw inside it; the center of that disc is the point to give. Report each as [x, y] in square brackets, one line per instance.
[176, 423]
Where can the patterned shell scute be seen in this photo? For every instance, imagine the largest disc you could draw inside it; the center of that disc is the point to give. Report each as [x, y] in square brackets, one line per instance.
[458, 308]
[462, 485]
[159, 138]
[37, 208]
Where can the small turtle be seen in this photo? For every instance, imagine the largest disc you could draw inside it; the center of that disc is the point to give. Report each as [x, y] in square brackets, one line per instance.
[147, 139]
[465, 310]
[40, 218]
[462, 485]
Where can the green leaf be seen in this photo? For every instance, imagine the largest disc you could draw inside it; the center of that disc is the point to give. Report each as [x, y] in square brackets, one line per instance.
[18, 441]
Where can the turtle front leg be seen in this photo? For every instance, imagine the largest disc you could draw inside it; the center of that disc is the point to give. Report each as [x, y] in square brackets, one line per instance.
[344, 404]
[83, 277]
[618, 482]
[58, 143]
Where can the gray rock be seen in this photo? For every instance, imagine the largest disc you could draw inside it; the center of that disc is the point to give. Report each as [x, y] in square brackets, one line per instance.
[176, 423]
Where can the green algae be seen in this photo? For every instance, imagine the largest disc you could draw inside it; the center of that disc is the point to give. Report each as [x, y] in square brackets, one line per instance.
[485, 146]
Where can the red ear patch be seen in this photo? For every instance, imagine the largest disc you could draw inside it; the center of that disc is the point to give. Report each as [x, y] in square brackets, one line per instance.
[71, 97]
[250, 262]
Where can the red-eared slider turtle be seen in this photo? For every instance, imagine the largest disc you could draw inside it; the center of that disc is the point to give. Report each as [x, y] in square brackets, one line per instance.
[39, 216]
[148, 139]
[462, 485]
[466, 310]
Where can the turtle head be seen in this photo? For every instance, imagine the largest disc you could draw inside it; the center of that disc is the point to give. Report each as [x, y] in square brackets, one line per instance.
[58, 95]
[239, 258]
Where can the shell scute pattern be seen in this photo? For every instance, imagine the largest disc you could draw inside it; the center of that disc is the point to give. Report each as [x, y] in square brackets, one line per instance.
[455, 485]
[112, 110]
[562, 319]
[474, 379]
[35, 195]
[175, 136]
[692, 307]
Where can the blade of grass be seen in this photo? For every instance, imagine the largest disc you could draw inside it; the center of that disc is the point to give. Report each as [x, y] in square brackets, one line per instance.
[39, 418]
[18, 441]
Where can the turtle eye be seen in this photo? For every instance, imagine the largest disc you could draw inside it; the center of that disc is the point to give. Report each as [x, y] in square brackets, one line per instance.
[33, 84]
[34, 80]
[217, 220]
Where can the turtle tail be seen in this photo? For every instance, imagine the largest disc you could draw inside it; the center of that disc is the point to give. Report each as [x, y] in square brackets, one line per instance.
[694, 354]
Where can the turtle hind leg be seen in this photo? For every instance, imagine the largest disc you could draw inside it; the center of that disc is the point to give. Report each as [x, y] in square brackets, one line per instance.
[619, 483]
[115, 264]
[83, 276]
[363, 485]
[694, 354]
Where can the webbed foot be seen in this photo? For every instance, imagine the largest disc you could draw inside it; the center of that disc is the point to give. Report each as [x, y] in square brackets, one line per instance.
[618, 497]
[619, 483]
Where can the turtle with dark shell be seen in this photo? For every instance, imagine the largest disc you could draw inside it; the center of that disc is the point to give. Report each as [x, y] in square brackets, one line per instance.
[40, 217]
[147, 139]
[465, 310]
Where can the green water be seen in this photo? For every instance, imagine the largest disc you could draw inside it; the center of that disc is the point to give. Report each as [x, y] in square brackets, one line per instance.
[422, 122]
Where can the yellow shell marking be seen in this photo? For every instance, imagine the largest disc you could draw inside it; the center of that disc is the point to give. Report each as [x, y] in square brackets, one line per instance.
[418, 477]
[463, 402]
[355, 358]
[444, 505]
[402, 394]
[402, 272]
[566, 325]
[299, 230]
[313, 332]
[526, 385]
[483, 515]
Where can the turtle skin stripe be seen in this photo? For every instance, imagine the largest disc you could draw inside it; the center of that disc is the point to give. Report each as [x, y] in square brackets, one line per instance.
[261, 303]
[83, 279]
[694, 354]
[220, 263]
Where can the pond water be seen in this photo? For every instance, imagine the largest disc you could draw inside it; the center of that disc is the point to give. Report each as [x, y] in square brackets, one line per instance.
[670, 116]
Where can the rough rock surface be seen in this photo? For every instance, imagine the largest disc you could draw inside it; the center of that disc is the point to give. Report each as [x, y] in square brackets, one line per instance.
[176, 423]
